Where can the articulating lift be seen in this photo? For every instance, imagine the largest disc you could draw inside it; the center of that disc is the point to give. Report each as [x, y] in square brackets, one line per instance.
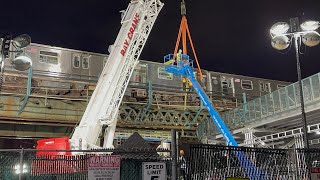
[180, 63]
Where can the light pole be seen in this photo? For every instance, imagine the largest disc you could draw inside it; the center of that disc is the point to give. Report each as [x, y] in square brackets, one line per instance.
[8, 45]
[282, 34]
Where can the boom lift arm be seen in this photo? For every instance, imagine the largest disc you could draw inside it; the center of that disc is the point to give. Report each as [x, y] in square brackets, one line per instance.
[103, 107]
[183, 69]
[102, 110]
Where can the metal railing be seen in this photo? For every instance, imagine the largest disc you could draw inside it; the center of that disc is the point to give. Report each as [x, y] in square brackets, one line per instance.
[277, 102]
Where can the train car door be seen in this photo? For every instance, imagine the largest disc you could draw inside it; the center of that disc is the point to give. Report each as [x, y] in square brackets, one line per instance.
[76, 65]
[139, 75]
[139, 81]
[227, 86]
[265, 87]
[202, 82]
[85, 64]
[216, 87]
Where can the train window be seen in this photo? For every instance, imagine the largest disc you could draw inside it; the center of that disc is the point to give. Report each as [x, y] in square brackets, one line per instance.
[261, 87]
[267, 87]
[76, 61]
[230, 83]
[85, 62]
[279, 86]
[204, 79]
[136, 74]
[215, 80]
[137, 78]
[139, 74]
[48, 57]
[246, 84]
[162, 74]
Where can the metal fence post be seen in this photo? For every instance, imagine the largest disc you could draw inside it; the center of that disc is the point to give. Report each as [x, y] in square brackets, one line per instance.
[174, 154]
[21, 164]
[295, 166]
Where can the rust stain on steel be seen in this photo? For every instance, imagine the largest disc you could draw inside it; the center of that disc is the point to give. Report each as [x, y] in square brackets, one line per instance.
[8, 109]
[38, 113]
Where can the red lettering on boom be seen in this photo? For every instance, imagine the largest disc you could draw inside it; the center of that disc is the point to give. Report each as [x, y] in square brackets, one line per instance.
[130, 34]
[126, 43]
[122, 52]
[136, 19]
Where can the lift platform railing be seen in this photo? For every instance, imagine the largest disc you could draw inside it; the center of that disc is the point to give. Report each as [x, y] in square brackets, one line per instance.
[171, 59]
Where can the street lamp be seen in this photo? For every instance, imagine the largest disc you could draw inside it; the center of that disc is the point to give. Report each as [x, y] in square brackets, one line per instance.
[20, 170]
[21, 61]
[282, 34]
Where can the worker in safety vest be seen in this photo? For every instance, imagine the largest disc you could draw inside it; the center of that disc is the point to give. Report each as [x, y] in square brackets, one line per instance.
[182, 165]
[187, 84]
[178, 58]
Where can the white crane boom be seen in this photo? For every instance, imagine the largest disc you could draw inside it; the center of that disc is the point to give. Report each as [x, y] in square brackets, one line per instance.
[103, 106]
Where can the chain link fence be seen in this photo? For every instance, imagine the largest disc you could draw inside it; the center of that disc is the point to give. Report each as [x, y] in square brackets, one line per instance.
[26, 164]
[204, 162]
[221, 162]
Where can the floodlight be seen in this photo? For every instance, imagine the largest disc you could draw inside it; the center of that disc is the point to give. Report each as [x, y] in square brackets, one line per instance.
[21, 63]
[279, 28]
[280, 42]
[18, 170]
[311, 39]
[310, 25]
[22, 41]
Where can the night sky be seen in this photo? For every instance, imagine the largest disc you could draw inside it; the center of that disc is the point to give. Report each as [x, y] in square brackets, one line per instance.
[230, 36]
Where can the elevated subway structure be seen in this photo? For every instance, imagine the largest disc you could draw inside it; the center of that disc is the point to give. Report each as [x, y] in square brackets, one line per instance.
[272, 120]
[57, 95]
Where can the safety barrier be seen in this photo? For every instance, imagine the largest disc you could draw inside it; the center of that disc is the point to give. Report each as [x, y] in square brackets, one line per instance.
[29, 164]
[202, 162]
[220, 163]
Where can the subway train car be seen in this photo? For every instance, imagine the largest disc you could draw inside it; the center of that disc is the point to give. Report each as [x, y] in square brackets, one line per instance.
[66, 69]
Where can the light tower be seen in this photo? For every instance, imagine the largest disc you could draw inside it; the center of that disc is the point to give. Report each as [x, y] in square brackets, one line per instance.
[282, 34]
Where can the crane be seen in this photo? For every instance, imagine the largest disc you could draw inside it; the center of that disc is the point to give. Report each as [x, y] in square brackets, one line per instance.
[137, 22]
